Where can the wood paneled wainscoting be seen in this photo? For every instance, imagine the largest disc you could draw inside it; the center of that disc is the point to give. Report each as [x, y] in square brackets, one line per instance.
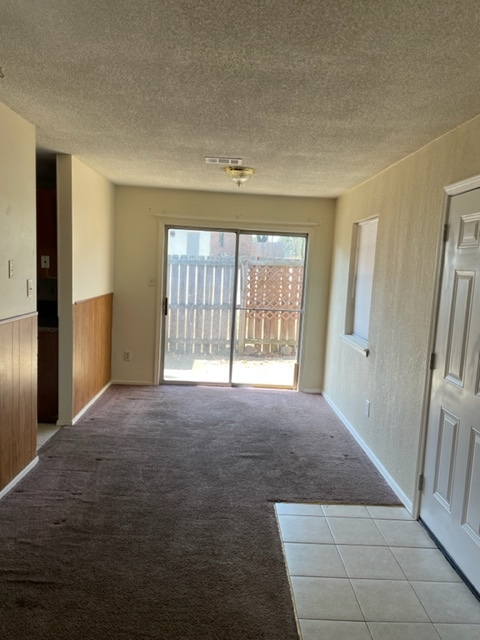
[92, 348]
[18, 395]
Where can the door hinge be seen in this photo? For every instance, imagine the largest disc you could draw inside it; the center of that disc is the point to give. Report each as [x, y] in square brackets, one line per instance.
[445, 233]
[165, 307]
[421, 478]
[433, 358]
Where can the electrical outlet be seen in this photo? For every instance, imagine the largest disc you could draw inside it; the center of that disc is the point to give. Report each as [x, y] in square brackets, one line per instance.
[45, 262]
[11, 264]
[151, 281]
[367, 408]
[127, 355]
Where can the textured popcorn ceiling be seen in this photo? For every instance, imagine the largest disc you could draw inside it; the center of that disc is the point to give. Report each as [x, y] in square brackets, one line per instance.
[317, 95]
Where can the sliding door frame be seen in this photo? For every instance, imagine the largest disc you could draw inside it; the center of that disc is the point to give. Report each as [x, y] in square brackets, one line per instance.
[162, 303]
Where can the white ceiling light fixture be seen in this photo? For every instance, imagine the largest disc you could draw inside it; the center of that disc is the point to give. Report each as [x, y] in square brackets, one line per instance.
[239, 174]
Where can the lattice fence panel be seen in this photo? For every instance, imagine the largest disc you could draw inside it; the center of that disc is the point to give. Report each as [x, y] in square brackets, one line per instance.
[271, 288]
[273, 301]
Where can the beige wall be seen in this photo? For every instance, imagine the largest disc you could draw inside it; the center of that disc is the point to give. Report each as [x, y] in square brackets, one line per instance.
[85, 227]
[408, 198]
[92, 210]
[17, 213]
[18, 336]
[140, 217]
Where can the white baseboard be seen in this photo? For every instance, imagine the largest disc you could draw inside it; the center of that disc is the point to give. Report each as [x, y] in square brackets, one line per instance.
[394, 486]
[17, 479]
[135, 383]
[92, 401]
[317, 391]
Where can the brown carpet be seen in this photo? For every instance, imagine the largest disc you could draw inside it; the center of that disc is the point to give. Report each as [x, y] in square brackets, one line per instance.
[153, 518]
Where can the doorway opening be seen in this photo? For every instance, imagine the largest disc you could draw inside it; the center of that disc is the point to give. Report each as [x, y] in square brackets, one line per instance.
[47, 291]
[233, 307]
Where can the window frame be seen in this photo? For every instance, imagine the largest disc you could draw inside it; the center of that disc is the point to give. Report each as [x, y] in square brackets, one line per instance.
[357, 341]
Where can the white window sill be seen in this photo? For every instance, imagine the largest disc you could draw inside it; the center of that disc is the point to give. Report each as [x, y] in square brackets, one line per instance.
[358, 344]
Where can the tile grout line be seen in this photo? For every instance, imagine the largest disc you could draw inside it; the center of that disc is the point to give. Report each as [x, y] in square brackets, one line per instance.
[399, 566]
[371, 516]
[290, 585]
[348, 578]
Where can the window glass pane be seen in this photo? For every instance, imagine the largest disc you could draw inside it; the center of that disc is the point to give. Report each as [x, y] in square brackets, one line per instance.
[366, 242]
[200, 292]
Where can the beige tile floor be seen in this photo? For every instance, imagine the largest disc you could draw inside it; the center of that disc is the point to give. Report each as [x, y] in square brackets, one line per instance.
[371, 573]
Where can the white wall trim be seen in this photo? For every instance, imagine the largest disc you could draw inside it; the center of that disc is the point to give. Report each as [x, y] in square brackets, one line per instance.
[17, 479]
[239, 224]
[317, 391]
[401, 495]
[160, 296]
[356, 343]
[135, 383]
[464, 185]
[235, 222]
[439, 258]
[87, 406]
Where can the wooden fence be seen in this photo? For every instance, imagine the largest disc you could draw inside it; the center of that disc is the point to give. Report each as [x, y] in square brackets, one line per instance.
[200, 300]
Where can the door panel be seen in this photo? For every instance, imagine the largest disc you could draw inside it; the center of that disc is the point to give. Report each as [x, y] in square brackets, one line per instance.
[200, 293]
[269, 309]
[460, 314]
[451, 498]
[445, 464]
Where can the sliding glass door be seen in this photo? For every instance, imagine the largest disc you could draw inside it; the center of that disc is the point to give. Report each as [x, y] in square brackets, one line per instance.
[233, 307]
[269, 309]
[200, 292]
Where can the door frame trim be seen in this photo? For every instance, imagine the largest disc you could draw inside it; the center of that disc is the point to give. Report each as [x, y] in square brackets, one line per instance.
[449, 191]
[303, 230]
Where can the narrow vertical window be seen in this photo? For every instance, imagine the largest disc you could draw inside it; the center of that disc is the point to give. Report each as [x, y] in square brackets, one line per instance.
[358, 307]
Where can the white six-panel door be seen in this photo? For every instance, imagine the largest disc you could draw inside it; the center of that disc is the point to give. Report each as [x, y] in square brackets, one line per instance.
[451, 494]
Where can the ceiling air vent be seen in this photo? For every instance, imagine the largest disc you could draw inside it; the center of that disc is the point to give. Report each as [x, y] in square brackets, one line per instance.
[233, 162]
